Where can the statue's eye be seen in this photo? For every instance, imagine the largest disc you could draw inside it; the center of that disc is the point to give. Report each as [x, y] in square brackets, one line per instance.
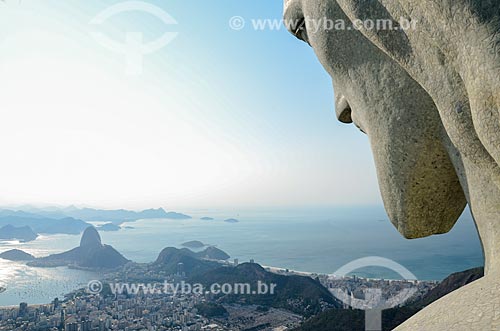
[301, 31]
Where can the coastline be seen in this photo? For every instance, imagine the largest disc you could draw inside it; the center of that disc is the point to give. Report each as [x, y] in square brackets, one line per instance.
[286, 271]
[272, 269]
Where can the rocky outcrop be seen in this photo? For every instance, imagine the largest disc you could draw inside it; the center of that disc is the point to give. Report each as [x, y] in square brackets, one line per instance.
[24, 233]
[16, 255]
[90, 238]
[172, 261]
[91, 254]
[212, 253]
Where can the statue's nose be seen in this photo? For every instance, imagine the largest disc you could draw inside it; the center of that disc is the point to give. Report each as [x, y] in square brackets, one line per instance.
[343, 110]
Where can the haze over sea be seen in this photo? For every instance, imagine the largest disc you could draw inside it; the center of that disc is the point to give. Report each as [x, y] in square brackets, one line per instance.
[315, 240]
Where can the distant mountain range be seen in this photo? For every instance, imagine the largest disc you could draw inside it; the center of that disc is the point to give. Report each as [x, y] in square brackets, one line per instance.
[72, 220]
[115, 216]
[91, 254]
[42, 224]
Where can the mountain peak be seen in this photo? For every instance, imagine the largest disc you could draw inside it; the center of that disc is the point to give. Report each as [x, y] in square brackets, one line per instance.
[90, 238]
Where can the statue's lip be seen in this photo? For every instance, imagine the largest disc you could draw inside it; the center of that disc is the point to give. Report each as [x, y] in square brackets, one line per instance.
[343, 110]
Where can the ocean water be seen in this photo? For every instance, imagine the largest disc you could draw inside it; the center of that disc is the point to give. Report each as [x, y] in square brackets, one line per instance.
[39, 285]
[316, 240]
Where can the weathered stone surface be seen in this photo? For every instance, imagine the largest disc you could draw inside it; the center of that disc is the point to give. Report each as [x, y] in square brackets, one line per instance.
[474, 307]
[433, 121]
[418, 180]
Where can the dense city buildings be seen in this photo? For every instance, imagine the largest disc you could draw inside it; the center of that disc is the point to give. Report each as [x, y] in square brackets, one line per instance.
[162, 311]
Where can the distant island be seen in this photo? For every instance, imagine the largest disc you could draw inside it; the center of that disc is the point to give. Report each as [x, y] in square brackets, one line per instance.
[16, 255]
[23, 233]
[193, 244]
[108, 227]
[91, 254]
[207, 219]
[176, 216]
[231, 220]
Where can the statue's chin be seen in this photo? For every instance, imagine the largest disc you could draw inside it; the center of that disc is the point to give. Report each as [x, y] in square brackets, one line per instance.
[421, 191]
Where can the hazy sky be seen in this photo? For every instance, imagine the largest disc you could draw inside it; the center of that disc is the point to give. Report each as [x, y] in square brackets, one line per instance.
[217, 118]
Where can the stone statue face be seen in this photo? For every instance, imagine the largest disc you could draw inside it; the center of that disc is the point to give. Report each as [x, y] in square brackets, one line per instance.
[421, 191]
[419, 136]
[453, 52]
